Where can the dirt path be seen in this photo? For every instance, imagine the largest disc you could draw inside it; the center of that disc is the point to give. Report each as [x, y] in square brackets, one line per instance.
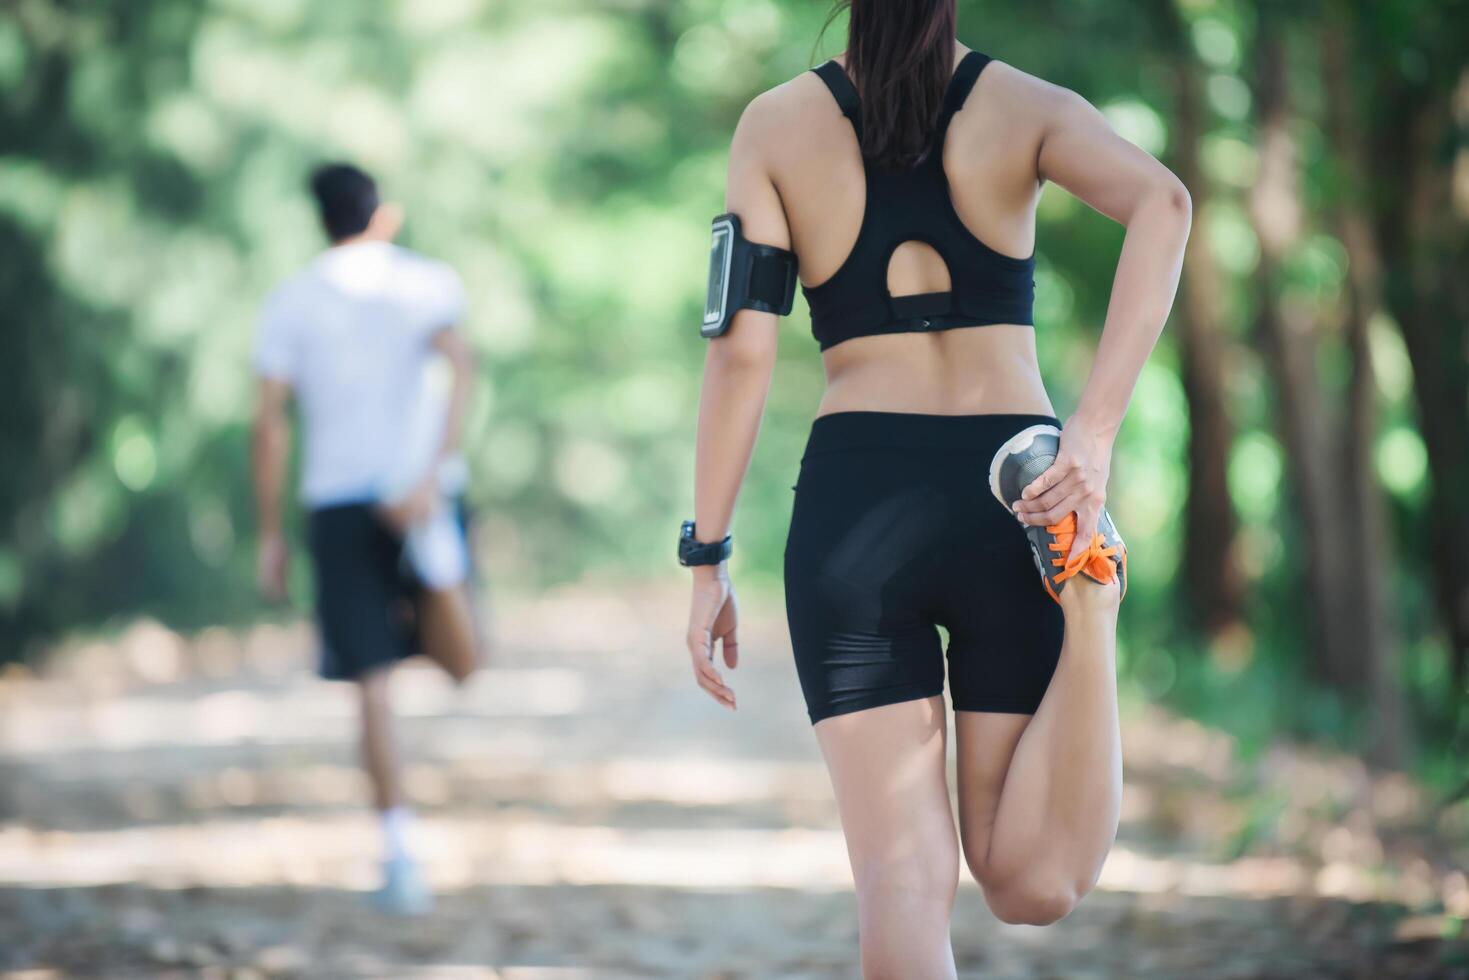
[189, 808]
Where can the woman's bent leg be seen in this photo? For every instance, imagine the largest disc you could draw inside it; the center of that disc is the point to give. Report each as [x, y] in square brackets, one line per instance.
[1039, 801]
[887, 767]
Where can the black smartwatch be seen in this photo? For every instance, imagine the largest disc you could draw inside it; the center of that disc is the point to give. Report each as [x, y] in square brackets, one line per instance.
[692, 552]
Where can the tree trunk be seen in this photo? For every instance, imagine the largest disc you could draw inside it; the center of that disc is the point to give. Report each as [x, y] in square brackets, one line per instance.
[1288, 329]
[1214, 581]
[1425, 290]
[1370, 548]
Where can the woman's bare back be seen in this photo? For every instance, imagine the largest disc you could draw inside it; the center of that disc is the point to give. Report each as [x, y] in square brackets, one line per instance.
[990, 159]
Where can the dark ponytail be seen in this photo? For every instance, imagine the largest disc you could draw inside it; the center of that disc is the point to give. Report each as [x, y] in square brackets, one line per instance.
[900, 54]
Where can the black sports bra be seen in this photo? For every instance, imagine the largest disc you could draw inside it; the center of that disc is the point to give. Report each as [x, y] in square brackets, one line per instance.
[914, 206]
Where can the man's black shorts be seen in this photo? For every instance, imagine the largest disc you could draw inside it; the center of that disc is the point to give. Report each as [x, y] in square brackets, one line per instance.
[363, 595]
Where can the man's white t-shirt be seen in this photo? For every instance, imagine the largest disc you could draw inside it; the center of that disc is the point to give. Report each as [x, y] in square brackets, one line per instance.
[352, 335]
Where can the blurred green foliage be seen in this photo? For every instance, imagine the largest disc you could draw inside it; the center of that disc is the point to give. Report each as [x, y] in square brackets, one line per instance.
[565, 156]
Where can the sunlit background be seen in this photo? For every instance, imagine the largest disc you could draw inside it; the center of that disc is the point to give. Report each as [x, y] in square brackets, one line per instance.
[1290, 478]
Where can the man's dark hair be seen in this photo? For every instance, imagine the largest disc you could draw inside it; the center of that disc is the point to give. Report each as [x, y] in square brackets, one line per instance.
[346, 197]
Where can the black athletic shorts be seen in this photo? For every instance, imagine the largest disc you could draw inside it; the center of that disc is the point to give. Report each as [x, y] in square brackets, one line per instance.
[895, 533]
[364, 595]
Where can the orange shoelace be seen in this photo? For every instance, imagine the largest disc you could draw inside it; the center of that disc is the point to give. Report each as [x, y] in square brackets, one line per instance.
[1096, 560]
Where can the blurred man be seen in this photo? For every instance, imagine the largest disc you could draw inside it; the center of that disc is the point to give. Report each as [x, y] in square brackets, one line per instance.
[351, 338]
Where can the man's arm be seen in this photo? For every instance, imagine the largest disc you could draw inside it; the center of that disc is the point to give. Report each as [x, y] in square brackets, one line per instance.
[270, 451]
[450, 342]
[420, 501]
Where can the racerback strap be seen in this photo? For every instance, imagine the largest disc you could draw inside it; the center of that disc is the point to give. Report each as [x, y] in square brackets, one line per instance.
[843, 91]
[839, 83]
[965, 75]
[915, 204]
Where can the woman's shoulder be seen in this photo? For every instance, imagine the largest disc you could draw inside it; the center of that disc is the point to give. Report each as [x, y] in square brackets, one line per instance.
[794, 117]
[800, 100]
[788, 102]
[1018, 90]
[802, 112]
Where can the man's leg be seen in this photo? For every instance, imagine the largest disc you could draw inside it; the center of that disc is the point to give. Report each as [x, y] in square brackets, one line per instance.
[402, 892]
[357, 591]
[447, 630]
[379, 753]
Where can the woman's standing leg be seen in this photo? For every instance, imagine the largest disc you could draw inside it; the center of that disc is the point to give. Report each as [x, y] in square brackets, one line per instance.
[887, 767]
[1039, 799]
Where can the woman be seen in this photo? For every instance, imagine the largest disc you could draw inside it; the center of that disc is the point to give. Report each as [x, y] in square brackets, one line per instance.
[905, 177]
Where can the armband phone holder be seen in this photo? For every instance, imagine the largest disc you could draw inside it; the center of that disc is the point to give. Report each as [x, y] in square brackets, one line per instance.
[745, 275]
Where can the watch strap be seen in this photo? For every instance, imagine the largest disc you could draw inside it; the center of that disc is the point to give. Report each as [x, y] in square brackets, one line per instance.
[692, 552]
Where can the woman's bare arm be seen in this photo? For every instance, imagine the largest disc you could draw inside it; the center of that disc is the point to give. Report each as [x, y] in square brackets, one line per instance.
[737, 371]
[1080, 152]
[739, 364]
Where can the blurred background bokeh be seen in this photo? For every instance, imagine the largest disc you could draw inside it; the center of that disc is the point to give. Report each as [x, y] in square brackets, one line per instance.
[1292, 477]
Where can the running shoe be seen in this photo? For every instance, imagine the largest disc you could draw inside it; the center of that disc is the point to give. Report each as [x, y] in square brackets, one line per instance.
[435, 550]
[1024, 457]
[403, 891]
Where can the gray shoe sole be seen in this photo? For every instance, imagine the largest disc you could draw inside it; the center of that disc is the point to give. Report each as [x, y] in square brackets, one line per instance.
[1033, 449]
[1023, 457]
